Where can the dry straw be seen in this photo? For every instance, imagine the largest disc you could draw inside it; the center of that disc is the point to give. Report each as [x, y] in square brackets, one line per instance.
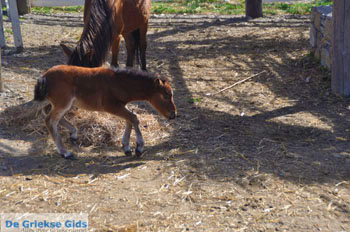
[95, 129]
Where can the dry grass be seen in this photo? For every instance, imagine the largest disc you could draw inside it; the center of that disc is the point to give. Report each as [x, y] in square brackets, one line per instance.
[94, 129]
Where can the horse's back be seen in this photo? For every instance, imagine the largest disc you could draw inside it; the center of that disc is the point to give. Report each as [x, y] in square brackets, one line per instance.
[90, 88]
[67, 83]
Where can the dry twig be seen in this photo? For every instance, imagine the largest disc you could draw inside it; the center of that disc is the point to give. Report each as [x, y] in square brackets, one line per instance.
[237, 83]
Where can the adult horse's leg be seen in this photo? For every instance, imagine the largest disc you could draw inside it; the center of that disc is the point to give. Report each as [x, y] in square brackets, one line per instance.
[51, 121]
[143, 45]
[115, 50]
[130, 49]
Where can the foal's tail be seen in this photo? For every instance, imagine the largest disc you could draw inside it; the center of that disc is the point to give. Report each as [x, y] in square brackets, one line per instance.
[136, 36]
[40, 90]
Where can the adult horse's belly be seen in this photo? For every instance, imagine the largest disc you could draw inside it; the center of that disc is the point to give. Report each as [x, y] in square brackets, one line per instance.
[135, 14]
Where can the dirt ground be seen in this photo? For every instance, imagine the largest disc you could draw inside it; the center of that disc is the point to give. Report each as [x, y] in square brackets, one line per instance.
[269, 154]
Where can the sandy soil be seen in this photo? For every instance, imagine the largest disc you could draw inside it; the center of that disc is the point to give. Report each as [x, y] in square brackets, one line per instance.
[270, 154]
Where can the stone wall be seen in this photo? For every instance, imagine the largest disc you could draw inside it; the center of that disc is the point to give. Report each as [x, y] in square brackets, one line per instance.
[321, 34]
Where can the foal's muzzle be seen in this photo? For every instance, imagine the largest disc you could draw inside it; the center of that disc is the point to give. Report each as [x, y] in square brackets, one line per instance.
[172, 115]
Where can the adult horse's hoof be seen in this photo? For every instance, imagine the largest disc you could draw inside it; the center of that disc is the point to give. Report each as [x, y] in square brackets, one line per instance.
[74, 141]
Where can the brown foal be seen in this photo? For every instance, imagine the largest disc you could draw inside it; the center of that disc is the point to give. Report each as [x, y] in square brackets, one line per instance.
[101, 89]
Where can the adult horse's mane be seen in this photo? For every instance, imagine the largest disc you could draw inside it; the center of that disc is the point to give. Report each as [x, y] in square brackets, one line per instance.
[96, 39]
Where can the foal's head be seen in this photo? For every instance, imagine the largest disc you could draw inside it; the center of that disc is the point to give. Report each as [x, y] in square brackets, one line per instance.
[163, 100]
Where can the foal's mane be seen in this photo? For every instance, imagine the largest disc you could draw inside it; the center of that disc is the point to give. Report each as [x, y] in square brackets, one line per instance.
[96, 37]
[138, 74]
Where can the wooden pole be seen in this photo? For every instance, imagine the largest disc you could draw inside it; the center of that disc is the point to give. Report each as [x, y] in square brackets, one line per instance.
[341, 48]
[15, 25]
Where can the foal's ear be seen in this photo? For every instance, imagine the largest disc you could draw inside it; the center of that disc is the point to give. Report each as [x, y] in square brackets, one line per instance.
[68, 51]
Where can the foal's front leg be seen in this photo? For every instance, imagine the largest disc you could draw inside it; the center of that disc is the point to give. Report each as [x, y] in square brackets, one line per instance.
[139, 139]
[73, 132]
[131, 121]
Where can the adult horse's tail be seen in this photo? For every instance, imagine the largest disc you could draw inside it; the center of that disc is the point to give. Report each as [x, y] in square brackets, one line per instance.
[96, 39]
[136, 36]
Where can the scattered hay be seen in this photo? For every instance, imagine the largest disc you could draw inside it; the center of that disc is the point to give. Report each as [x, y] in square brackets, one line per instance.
[94, 128]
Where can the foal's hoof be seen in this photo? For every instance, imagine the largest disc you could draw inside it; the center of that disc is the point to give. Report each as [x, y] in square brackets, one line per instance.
[128, 153]
[74, 141]
[69, 156]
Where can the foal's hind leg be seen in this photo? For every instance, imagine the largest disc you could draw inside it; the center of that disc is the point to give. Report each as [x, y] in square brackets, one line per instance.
[52, 121]
[72, 130]
[73, 133]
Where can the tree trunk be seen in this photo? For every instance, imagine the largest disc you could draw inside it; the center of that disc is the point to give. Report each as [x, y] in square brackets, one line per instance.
[23, 7]
[253, 8]
[341, 48]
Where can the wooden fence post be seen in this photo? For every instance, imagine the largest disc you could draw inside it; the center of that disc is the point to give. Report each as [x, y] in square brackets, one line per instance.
[15, 25]
[2, 35]
[341, 48]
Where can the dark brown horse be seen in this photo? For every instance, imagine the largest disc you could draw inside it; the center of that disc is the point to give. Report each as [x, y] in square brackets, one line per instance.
[101, 89]
[105, 21]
